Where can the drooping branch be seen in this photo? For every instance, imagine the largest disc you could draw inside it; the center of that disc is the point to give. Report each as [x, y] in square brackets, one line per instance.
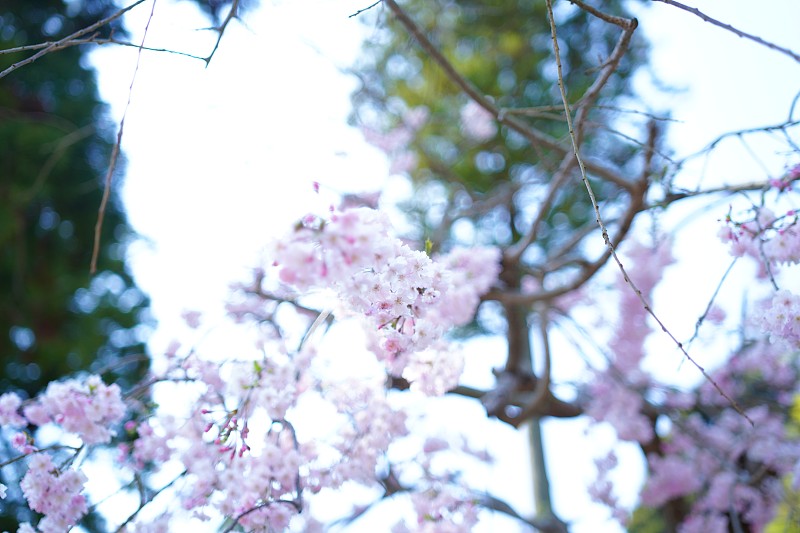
[608, 242]
[732, 29]
[112, 165]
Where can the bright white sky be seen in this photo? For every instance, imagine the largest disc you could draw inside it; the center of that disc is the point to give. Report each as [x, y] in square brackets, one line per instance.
[221, 159]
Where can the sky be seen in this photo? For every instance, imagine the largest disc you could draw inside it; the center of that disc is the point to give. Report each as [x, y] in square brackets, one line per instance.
[221, 159]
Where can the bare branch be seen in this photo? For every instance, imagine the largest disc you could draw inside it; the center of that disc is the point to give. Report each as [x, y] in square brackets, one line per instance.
[731, 29]
[609, 244]
[495, 504]
[610, 66]
[95, 40]
[711, 302]
[357, 13]
[115, 151]
[232, 14]
[147, 500]
[67, 41]
[783, 126]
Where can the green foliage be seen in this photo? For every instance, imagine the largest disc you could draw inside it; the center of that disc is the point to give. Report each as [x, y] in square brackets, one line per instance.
[55, 142]
[646, 520]
[55, 145]
[504, 48]
[788, 517]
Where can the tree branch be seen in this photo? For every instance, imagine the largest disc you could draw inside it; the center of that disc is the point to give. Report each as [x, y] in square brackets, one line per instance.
[115, 151]
[732, 29]
[66, 41]
[609, 244]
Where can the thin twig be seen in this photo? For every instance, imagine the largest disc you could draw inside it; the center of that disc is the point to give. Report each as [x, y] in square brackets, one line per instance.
[730, 28]
[148, 500]
[604, 230]
[711, 302]
[65, 42]
[761, 129]
[94, 40]
[232, 14]
[40, 450]
[357, 13]
[115, 152]
[60, 149]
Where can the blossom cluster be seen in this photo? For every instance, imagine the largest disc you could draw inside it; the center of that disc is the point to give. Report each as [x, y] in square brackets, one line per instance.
[407, 299]
[617, 392]
[722, 450]
[245, 452]
[87, 408]
[725, 460]
[780, 318]
[768, 238]
[54, 492]
[90, 410]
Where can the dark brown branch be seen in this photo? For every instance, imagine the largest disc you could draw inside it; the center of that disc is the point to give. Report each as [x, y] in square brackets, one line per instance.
[512, 296]
[551, 406]
[495, 504]
[611, 19]
[542, 389]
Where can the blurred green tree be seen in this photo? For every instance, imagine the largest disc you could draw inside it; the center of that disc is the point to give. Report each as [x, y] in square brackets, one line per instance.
[56, 139]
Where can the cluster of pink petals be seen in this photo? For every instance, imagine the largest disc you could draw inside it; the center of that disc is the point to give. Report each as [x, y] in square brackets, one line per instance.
[766, 237]
[258, 477]
[87, 408]
[722, 463]
[784, 183]
[780, 318]
[407, 299]
[9, 410]
[616, 394]
[712, 457]
[54, 493]
[621, 406]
